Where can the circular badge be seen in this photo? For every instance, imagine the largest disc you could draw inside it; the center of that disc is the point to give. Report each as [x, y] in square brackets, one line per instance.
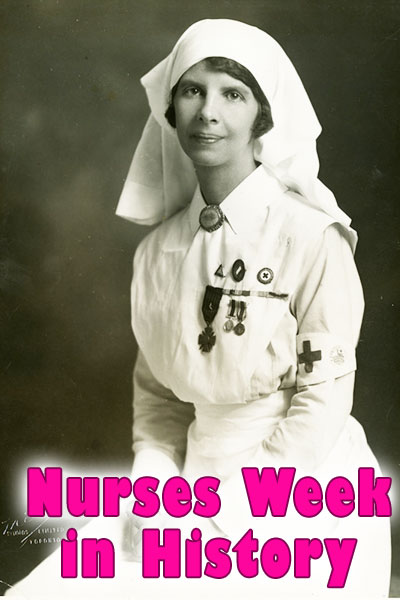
[265, 275]
[228, 325]
[239, 329]
[238, 270]
[211, 217]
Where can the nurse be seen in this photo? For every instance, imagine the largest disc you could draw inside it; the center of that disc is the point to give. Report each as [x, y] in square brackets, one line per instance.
[246, 304]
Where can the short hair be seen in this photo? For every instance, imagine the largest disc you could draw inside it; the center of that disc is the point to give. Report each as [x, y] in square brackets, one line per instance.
[263, 122]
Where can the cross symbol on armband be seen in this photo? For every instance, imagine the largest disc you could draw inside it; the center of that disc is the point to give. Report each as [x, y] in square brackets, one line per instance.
[308, 356]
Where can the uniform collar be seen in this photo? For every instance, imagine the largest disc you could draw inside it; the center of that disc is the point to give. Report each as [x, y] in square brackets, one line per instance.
[245, 207]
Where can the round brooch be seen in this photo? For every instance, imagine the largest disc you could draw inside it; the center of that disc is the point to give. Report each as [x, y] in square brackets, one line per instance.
[211, 217]
[265, 275]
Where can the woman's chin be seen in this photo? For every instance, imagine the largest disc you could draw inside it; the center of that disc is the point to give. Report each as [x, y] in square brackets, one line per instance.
[205, 157]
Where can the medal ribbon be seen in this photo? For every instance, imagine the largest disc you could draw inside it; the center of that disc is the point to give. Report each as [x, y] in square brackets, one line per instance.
[241, 311]
[211, 302]
[231, 314]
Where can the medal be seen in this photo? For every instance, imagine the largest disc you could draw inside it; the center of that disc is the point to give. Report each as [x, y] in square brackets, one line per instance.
[207, 339]
[237, 310]
[238, 270]
[220, 271]
[209, 309]
[239, 329]
[228, 325]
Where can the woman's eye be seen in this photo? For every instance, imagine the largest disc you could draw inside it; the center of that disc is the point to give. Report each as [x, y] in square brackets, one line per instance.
[191, 91]
[233, 95]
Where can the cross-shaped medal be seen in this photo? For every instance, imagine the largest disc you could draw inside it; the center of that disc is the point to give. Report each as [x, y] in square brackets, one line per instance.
[308, 356]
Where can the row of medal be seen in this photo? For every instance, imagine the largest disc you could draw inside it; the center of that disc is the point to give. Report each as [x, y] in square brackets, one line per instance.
[237, 312]
[235, 317]
[237, 308]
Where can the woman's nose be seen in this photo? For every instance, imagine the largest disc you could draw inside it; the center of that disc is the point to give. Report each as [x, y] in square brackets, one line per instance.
[208, 111]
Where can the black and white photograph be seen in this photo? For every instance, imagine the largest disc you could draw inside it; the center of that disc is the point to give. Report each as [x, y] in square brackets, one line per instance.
[199, 284]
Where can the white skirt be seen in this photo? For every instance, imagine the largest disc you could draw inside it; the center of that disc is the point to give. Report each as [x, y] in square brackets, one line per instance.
[220, 447]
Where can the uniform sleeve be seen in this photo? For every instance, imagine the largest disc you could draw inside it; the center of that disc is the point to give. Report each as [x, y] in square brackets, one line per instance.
[160, 424]
[328, 306]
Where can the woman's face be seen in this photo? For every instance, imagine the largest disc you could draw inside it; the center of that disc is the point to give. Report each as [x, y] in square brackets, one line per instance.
[215, 114]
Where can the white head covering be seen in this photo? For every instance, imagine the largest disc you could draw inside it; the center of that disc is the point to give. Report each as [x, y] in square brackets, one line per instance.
[161, 179]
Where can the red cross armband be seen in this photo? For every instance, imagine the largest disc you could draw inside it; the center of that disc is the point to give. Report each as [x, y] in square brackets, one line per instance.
[321, 356]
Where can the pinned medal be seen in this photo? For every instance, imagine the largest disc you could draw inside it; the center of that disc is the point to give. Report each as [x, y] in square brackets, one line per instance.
[209, 309]
[220, 271]
[265, 275]
[207, 339]
[239, 329]
[237, 310]
[229, 325]
[238, 270]
[211, 217]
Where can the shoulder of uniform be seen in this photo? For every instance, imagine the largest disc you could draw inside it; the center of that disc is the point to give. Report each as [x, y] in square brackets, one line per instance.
[160, 238]
[299, 213]
[300, 222]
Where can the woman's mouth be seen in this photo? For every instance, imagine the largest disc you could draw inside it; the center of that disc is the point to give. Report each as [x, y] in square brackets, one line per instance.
[206, 138]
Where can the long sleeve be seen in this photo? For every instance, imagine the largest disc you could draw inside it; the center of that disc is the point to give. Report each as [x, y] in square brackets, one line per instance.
[328, 307]
[160, 423]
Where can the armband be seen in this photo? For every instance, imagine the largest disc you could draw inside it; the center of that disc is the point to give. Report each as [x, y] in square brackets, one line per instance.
[321, 356]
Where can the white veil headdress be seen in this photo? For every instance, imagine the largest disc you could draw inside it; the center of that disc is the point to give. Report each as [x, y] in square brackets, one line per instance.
[161, 178]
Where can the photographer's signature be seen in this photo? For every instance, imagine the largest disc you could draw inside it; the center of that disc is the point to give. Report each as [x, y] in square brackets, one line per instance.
[30, 531]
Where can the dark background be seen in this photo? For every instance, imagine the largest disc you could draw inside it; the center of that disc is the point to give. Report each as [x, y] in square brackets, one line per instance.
[72, 110]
